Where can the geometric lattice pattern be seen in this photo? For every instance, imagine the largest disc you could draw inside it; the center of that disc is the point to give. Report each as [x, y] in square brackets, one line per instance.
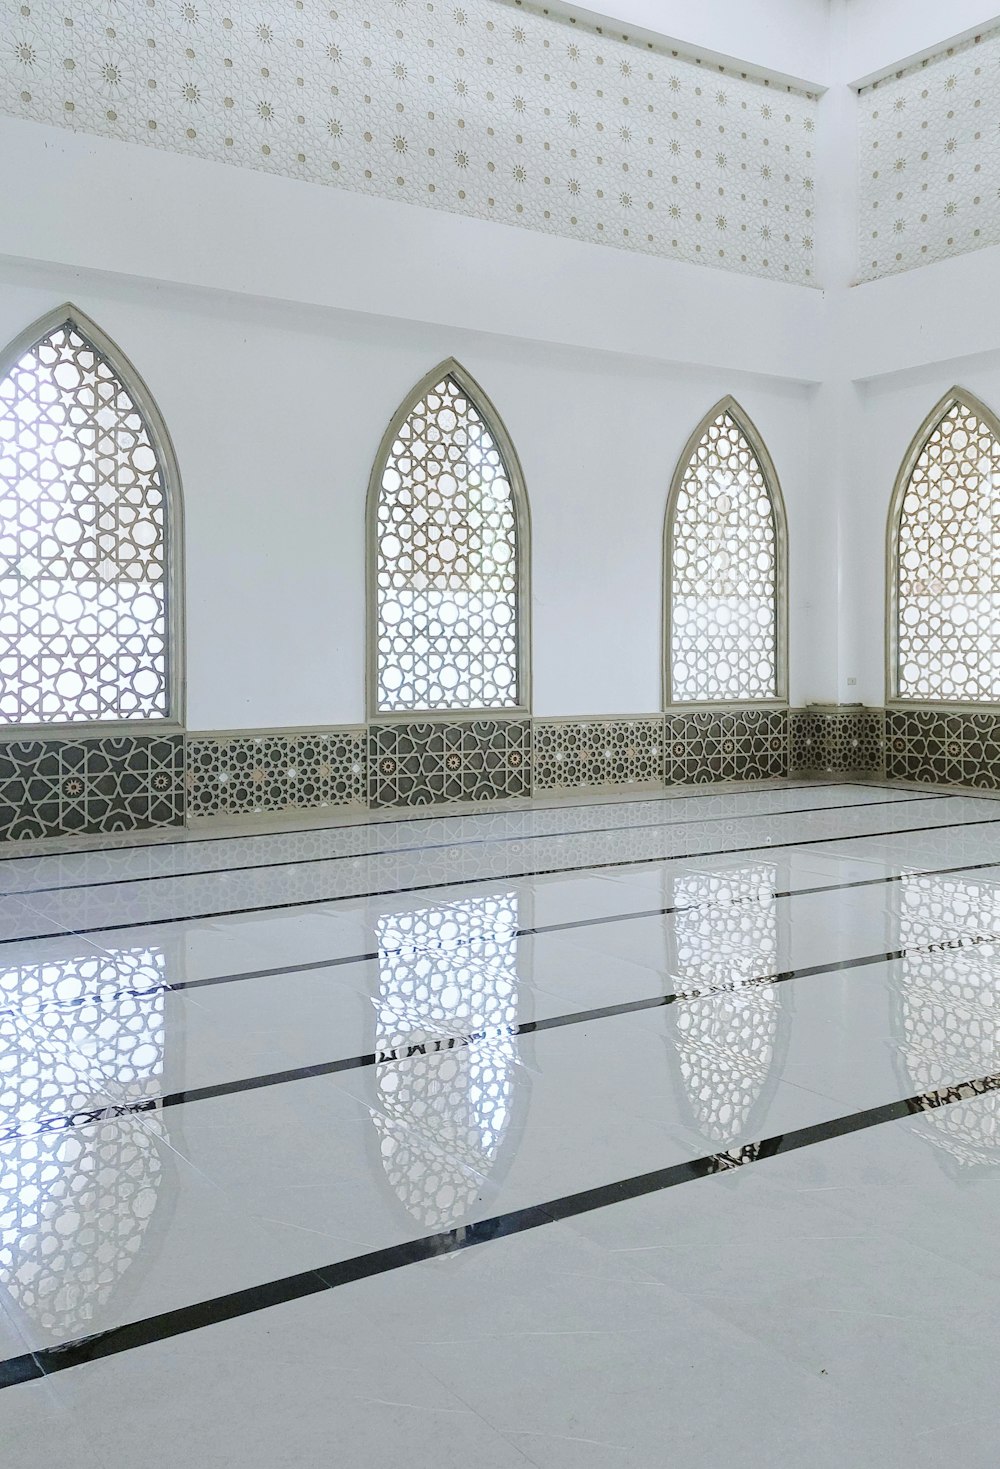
[725, 1035]
[723, 573]
[836, 741]
[574, 753]
[77, 1197]
[732, 744]
[95, 786]
[447, 562]
[83, 542]
[238, 775]
[927, 154]
[513, 113]
[948, 565]
[957, 748]
[948, 1022]
[445, 974]
[472, 760]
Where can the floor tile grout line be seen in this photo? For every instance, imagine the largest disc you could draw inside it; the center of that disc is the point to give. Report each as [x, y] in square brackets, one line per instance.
[444, 814]
[105, 882]
[442, 1045]
[503, 877]
[45, 1361]
[535, 931]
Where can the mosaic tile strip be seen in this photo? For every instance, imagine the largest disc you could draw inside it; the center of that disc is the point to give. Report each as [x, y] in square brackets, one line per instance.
[574, 753]
[277, 770]
[731, 744]
[484, 109]
[415, 764]
[96, 786]
[836, 741]
[943, 747]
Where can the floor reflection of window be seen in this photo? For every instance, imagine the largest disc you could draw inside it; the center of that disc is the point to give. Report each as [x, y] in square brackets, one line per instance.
[446, 1009]
[948, 1017]
[76, 1201]
[725, 1031]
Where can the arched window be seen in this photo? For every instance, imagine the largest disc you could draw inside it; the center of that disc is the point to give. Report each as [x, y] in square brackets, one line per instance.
[724, 561]
[448, 542]
[89, 511]
[943, 569]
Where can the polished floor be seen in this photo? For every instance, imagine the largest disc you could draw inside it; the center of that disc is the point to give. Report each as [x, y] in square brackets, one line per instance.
[652, 1131]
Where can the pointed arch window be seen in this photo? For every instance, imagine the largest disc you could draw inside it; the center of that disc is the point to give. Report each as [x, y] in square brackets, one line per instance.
[943, 568]
[89, 508]
[725, 568]
[448, 542]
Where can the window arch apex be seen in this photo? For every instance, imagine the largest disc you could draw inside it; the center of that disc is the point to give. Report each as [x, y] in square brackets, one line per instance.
[725, 568]
[448, 530]
[943, 559]
[91, 537]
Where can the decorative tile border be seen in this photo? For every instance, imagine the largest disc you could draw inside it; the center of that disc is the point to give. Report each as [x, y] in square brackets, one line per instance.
[571, 754]
[95, 786]
[837, 741]
[247, 773]
[731, 744]
[943, 747]
[120, 783]
[417, 763]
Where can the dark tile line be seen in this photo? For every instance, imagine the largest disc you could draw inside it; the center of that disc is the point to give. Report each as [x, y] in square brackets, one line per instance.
[654, 794]
[115, 882]
[166, 1324]
[135, 992]
[428, 887]
[439, 1045]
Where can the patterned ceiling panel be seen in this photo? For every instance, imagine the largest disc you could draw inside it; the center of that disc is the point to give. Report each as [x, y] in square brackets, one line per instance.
[929, 160]
[480, 107]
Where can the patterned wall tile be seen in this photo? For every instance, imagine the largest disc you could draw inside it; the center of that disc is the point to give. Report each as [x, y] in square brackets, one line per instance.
[944, 748]
[280, 770]
[489, 109]
[927, 162]
[420, 762]
[738, 744]
[925, 745]
[574, 753]
[108, 783]
[836, 741]
[981, 753]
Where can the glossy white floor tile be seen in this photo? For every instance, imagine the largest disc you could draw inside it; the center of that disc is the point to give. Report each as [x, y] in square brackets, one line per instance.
[238, 1071]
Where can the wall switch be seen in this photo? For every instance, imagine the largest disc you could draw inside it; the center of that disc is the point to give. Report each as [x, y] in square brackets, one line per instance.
[851, 682]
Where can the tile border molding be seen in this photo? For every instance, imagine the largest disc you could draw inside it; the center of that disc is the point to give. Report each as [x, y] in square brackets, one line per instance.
[104, 784]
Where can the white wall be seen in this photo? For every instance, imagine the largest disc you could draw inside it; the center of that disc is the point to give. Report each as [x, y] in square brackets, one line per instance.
[878, 34]
[788, 36]
[276, 412]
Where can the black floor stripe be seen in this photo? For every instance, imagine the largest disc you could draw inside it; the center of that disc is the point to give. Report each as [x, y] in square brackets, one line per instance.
[472, 882]
[532, 836]
[443, 814]
[439, 1045]
[136, 992]
[167, 1324]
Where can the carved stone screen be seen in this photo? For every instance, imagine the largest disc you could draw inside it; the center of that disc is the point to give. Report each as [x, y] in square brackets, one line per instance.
[723, 573]
[947, 559]
[83, 615]
[446, 568]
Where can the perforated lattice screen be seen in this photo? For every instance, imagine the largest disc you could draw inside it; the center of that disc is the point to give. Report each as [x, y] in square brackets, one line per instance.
[446, 562]
[446, 1013]
[83, 622]
[948, 565]
[723, 565]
